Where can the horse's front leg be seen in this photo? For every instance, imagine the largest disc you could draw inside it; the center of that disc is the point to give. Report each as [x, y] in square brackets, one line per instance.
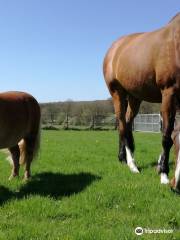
[168, 114]
[126, 146]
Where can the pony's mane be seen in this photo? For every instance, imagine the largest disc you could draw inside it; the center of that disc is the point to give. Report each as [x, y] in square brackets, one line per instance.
[177, 16]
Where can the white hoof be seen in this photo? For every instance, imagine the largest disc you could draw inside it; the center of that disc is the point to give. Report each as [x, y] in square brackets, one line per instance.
[131, 161]
[164, 178]
[133, 168]
[13, 176]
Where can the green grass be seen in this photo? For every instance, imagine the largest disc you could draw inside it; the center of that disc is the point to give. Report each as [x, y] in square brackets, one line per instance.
[79, 190]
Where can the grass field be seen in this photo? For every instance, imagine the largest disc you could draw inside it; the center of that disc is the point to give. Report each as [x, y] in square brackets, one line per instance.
[79, 190]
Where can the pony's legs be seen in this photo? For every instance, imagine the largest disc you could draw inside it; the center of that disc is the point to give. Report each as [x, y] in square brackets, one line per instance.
[168, 114]
[132, 110]
[30, 144]
[120, 106]
[15, 154]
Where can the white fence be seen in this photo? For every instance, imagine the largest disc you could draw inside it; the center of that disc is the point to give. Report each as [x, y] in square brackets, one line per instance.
[147, 123]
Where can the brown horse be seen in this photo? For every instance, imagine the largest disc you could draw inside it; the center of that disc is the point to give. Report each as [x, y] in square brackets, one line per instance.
[145, 66]
[19, 123]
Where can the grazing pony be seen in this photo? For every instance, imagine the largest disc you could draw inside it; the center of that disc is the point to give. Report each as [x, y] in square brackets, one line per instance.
[175, 182]
[19, 128]
[145, 67]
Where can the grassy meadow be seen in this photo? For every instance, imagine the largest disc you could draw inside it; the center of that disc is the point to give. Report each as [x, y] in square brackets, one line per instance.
[79, 190]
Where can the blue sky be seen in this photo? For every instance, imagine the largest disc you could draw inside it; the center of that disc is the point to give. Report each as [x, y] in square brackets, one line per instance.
[54, 49]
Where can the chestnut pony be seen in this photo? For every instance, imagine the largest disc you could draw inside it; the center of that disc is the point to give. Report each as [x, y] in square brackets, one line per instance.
[19, 128]
[145, 67]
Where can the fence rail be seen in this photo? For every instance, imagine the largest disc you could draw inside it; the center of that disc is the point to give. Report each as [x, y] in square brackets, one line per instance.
[142, 122]
[147, 123]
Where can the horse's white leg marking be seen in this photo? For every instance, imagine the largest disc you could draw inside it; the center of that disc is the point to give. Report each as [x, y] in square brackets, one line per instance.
[164, 177]
[177, 171]
[130, 161]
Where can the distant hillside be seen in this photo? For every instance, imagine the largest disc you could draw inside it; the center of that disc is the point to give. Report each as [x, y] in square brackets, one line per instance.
[97, 107]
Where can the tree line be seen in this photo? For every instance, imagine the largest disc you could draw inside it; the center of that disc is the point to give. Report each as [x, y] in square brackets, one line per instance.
[86, 113]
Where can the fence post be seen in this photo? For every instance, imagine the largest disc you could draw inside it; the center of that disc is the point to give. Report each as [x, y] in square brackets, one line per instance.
[67, 121]
[92, 123]
[52, 118]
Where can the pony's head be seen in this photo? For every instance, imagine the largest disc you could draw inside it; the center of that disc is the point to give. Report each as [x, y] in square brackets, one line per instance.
[175, 182]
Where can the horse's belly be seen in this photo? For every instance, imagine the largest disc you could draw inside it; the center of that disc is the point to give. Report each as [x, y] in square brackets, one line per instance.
[10, 136]
[147, 94]
[144, 91]
[7, 142]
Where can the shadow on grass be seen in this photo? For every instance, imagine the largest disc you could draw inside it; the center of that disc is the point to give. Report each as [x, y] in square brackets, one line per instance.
[55, 185]
[5, 195]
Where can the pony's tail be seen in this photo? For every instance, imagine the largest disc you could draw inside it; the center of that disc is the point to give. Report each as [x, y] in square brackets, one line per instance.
[29, 147]
[37, 142]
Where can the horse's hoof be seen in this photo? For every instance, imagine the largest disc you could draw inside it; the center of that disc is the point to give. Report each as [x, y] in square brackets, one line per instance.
[134, 169]
[12, 177]
[173, 186]
[175, 190]
[164, 178]
[26, 178]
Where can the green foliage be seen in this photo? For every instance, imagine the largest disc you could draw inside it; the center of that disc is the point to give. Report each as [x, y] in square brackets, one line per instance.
[79, 190]
[86, 113]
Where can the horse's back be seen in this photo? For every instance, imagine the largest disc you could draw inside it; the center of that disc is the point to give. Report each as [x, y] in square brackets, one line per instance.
[15, 96]
[15, 102]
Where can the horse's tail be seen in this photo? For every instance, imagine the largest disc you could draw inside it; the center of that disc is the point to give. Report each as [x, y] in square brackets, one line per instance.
[29, 147]
[37, 141]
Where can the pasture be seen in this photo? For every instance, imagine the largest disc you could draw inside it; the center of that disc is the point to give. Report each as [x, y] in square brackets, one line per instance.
[79, 191]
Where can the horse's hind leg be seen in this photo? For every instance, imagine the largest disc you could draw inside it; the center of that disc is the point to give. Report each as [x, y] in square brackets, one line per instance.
[132, 110]
[15, 154]
[120, 106]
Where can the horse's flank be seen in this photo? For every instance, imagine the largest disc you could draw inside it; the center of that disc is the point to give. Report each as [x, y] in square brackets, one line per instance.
[142, 63]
